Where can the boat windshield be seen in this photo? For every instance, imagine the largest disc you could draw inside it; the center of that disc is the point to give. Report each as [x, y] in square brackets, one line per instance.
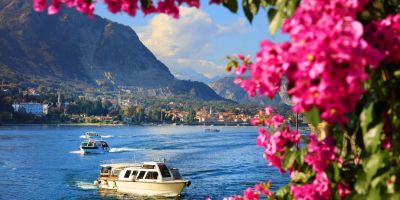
[164, 170]
[104, 144]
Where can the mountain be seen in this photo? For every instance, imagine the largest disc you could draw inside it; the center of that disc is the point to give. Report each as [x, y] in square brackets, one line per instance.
[227, 89]
[70, 51]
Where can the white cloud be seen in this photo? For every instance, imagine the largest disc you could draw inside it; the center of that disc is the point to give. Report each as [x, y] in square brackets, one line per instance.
[191, 34]
[187, 42]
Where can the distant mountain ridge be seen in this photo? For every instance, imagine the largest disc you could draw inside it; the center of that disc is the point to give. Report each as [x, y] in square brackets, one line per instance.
[227, 89]
[69, 50]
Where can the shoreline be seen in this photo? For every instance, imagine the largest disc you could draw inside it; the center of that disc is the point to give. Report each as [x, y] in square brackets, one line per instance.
[100, 124]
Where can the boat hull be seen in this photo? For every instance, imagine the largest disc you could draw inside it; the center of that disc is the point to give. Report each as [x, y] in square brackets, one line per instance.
[94, 150]
[166, 189]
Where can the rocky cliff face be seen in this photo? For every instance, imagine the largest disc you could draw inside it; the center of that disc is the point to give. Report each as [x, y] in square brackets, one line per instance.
[227, 89]
[68, 49]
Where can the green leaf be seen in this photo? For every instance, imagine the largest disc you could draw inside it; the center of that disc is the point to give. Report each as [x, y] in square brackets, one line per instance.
[373, 194]
[232, 5]
[393, 196]
[276, 22]
[300, 157]
[372, 138]
[362, 184]
[282, 192]
[271, 14]
[366, 116]
[270, 2]
[372, 164]
[301, 177]
[250, 8]
[357, 197]
[145, 3]
[313, 116]
[391, 188]
[265, 3]
[291, 7]
[336, 172]
[289, 159]
[397, 74]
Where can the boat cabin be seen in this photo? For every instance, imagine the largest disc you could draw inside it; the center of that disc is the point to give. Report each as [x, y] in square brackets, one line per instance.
[94, 144]
[146, 172]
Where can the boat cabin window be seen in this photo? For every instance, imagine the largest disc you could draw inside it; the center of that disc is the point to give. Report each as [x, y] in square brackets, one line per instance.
[134, 173]
[141, 174]
[105, 169]
[164, 170]
[127, 173]
[104, 144]
[148, 166]
[152, 175]
[115, 172]
[84, 144]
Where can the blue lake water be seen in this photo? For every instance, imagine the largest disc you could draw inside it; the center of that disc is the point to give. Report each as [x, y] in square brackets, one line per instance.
[42, 162]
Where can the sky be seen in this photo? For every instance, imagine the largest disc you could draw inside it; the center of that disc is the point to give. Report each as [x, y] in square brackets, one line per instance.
[196, 45]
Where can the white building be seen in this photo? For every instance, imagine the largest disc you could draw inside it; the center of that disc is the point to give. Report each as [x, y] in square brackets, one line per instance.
[33, 108]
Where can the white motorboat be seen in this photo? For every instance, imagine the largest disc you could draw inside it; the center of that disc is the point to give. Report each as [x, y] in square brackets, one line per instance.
[145, 179]
[91, 134]
[94, 146]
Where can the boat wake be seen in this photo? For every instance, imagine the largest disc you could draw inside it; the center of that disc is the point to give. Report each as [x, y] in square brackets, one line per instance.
[102, 136]
[85, 185]
[123, 149]
[76, 152]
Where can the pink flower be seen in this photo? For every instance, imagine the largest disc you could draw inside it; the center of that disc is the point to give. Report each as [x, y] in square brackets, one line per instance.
[85, 7]
[238, 80]
[275, 143]
[191, 3]
[319, 189]
[385, 36]
[69, 3]
[264, 189]
[39, 5]
[113, 6]
[321, 153]
[240, 70]
[54, 7]
[168, 7]
[249, 194]
[276, 121]
[268, 110]
[325, 64]
[237, 197]
[130, 7]
[343, 190]
[387, 143]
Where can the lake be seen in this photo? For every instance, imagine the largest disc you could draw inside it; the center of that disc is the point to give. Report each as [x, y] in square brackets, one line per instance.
[43, 162]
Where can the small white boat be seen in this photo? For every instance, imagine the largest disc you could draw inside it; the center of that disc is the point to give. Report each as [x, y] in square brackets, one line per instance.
[211, 130]
[145, 179]
[91, 134]
[94, 146]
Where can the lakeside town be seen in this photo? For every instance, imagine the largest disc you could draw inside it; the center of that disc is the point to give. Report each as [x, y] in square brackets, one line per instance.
[32, 106]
